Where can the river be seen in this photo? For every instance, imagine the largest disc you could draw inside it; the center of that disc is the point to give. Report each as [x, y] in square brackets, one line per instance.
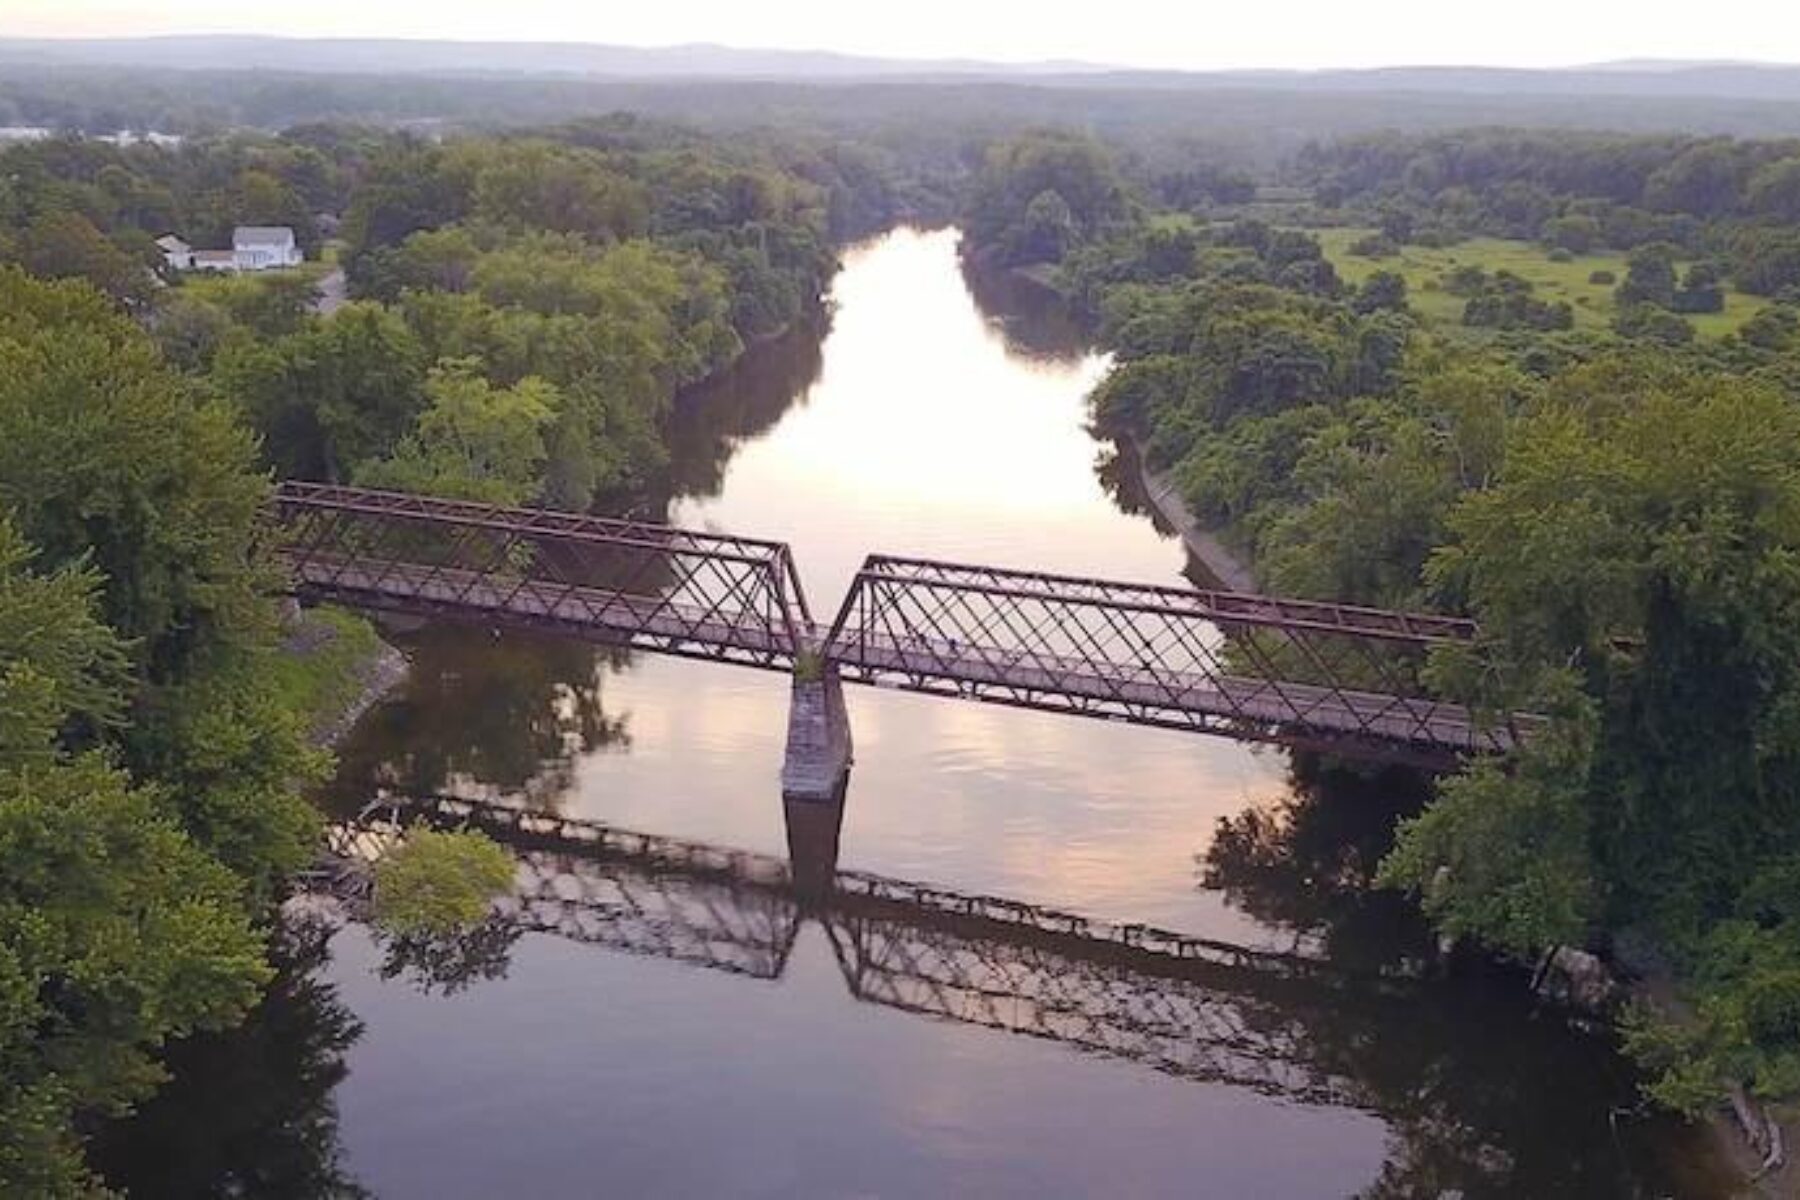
[713, 1064]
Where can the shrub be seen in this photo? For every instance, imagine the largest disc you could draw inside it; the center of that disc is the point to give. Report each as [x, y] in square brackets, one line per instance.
[1653, 324]
[1375, 245]
[439, 882]
[1603, 278]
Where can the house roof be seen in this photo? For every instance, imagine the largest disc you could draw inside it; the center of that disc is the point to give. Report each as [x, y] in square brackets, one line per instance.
[214, 256]
[169, 241]
[262, 235]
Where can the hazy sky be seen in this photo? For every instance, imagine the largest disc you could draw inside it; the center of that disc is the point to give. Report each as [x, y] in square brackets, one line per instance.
[1161, 33]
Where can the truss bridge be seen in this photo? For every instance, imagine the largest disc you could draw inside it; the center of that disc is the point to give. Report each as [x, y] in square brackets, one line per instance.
[1335, 677]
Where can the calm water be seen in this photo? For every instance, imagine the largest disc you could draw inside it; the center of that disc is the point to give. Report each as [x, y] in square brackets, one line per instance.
[864, 1061]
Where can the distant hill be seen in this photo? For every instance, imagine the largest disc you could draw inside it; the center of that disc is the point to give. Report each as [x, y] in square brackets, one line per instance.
[387, 55]
[198, 84]
[1712, 81]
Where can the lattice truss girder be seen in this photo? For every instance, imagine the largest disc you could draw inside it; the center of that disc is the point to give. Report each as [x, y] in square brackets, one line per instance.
[1251, 666]
[651, 586]
[1248, 666]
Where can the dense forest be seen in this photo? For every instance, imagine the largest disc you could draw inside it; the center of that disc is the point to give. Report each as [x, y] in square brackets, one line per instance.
[522, 312]
[1577, 424]
[1616, 504]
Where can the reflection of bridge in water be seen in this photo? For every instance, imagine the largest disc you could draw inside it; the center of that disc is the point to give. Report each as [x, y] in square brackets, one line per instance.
[1191, 1007]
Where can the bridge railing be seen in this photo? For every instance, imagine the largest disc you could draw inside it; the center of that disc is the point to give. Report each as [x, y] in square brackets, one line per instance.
[1284, 670]
[654, 586]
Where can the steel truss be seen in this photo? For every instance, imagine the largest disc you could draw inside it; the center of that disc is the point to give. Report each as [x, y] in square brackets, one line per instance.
[1252, 667]
[1257, 668]
[654, 587]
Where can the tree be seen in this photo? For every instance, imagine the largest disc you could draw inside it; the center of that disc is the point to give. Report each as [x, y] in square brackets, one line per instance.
[1702, 290]
[106, 454]
[1506, 301]
[109, 458]
[1642, 529]
[1016, 172]
[537, 185]
[409, 188]
[1774, 190]
[260, 198]
[63, 673]
[1772, 328]
[270, 305]
[1649, 277]
[439, 882]
[1046, 233]
[189, 330]
[341, 392]
[116, 932]
[1766, 262]
[1503, 855]
[1397, 226]
[65, 245]
[1575, 232]
[1706, 180]
[473, 440]
[1652, 324]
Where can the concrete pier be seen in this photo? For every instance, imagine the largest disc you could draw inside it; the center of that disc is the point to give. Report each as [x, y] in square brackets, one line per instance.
[818, 743]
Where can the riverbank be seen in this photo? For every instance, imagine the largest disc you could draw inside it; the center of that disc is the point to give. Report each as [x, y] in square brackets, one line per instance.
[1159, 491]
[336, 667]
[1164, 497]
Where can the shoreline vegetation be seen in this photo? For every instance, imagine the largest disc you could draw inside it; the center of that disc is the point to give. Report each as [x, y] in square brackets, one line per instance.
[1164, 495]
[1606, 495]
[338, 667]
[522, 311]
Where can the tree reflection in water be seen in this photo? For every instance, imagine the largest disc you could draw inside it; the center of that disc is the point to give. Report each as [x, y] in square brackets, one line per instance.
[1034, 321]
[446, 963]
[502, 713]
[1461, 1071]
[1308, 864]
[249, 1112]
[712, 419]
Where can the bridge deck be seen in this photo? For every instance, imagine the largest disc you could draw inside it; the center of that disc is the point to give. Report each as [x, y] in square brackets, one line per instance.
[1032, 679]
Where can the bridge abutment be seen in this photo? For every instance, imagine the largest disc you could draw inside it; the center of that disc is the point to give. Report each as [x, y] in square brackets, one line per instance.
[817, 765]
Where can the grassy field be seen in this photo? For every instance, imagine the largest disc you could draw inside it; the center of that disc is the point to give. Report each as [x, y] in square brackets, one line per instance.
[218, 285]
[1593, 302]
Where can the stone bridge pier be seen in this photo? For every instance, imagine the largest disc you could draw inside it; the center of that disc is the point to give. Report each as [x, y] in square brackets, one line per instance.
[816, 768]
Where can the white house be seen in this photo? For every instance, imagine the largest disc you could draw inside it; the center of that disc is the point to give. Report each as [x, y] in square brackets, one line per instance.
[260, 247]
[177, 253]
[253, 248]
